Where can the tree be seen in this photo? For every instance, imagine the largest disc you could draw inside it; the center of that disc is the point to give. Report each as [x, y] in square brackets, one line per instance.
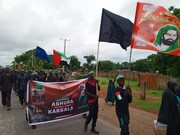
[117, 66]
[167, 64]
[124, 65]
[141, 65]
[175, 11]
[89, 65]
[29, 61]
[74, 63]
[106, 65]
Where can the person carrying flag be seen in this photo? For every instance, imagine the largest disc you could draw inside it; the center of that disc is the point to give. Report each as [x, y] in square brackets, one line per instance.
[123, 96]
[92, 96]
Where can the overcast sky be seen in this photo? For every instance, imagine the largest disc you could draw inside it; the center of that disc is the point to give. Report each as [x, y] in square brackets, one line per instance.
[26, 24]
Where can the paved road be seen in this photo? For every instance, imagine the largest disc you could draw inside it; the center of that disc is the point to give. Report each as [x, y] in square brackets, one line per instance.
[13, 123]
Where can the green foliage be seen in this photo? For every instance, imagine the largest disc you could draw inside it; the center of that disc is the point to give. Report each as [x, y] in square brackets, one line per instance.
[89, 65]
[29, 61]
[74, 63]
[118, 66]
[153, 105]
[106, 65]
[167, 64]
[157, 92]
[137, 102]
[133, 85]
[103, 81]
[142, 65]
[90, 59]
[124, 65]
[176, 12]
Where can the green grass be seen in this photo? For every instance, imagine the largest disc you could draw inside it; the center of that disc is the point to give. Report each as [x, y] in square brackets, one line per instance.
[146, 105]
[103, 82]
[151, 106]
[157, 93]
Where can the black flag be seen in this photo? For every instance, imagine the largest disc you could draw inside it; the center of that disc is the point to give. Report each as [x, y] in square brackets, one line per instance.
[115, 29]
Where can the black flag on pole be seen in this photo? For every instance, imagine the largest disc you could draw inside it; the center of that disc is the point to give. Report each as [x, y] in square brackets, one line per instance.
[115, 29]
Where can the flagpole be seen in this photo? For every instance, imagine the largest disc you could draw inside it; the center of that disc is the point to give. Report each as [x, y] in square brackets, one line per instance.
[97, 60]
[97, 65]
[129, 66]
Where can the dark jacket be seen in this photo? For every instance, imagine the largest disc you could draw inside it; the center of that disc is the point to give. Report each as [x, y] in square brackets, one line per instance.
[6, 81]
[22, 81]
[122, 106]
[168, 113]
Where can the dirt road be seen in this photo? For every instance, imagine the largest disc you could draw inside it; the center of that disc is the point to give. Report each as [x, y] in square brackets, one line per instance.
[141, 122]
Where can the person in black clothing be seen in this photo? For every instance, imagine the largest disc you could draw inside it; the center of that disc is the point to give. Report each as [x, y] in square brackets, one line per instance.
[6, 82]
[22, 80]
[51, 77]
[110, 92]
[15, 74]
[123, 96]
[169, 112]
[177, 115]
[92, 96]
[62, 77]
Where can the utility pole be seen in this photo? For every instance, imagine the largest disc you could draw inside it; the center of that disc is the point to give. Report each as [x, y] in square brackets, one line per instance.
[64, 43]
[64, 47]
[32, 58]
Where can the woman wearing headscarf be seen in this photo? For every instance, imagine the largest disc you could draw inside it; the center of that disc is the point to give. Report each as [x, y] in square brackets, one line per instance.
[169, 113]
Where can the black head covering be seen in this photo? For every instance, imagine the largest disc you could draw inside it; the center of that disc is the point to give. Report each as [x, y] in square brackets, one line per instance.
[171, 85]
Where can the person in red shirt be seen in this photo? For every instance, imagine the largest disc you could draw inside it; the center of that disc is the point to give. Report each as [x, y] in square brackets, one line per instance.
[91, 91]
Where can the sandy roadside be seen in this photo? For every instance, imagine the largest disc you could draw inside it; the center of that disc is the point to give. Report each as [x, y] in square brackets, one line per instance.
[141, 122]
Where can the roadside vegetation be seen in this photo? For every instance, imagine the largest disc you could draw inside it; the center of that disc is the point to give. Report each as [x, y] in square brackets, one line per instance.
[153, 96]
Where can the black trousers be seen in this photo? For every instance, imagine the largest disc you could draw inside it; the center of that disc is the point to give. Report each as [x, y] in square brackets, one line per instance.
[21, 96]
[177, 130]
[173, 130]
[124, 124]
[6, 98]
[93, 114]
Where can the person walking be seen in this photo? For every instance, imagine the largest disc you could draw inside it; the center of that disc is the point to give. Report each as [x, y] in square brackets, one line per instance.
[110, 92]
[123, 96]
[6, 82]
[22, 80]
[91, 93]
[169, 113]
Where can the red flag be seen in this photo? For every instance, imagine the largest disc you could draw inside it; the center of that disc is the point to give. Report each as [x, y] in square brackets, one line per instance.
[155, 28]
[57, 58]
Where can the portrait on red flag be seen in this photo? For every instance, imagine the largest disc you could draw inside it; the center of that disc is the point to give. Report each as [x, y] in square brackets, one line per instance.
[156, 29]
[167, 38]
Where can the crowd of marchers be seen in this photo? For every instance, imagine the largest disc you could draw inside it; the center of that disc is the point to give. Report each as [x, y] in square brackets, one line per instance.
[17, 80]
[169, 113]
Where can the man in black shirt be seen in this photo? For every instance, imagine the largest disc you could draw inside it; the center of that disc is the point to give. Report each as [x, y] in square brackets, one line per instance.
[123, 96]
